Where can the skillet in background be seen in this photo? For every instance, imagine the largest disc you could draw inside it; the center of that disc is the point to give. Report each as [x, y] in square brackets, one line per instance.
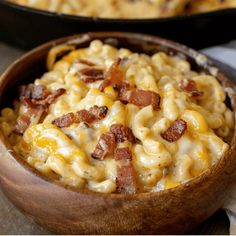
[26, 27]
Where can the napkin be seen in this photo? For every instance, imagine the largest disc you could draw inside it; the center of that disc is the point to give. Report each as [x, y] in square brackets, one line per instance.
[224, 53]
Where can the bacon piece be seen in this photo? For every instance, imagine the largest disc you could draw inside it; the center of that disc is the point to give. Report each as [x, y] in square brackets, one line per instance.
[33, 95]
[40, 92]
[99, 112]
[37, 99]
[122, 133]
[28, 103]
[122, 154]
[190, 87]
[35, 92]
[124, 92]
[85, 62]
[175, 131]
[142, 98]
[125, 180]
[65, 120]
[94, 113]
[105, 146]
[145, 98]
[89, 75]
[86, 116]
[24, 121]
[114, 76]
[53, 96]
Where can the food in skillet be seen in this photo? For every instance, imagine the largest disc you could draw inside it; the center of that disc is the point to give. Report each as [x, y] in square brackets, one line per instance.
[111, 120]
[127, 8]
[200, 6]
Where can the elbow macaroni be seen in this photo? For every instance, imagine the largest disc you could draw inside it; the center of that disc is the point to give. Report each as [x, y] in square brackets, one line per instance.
[126, 8]
[64, 153]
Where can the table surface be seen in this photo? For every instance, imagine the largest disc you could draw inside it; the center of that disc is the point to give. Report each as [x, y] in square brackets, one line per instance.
[13, 221]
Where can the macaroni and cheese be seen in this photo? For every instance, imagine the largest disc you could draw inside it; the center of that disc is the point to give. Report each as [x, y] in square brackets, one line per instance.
[127, 8]
[111, 120]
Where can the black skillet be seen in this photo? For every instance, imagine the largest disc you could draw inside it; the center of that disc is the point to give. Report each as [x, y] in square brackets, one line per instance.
[25, 27]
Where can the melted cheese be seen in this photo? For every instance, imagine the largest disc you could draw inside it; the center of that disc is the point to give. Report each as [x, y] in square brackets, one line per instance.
[158, 164]
[127, 8]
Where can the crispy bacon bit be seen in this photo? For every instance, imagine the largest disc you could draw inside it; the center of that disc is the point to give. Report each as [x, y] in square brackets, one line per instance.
[86, 116]
[23, 122]
[85, 62]
[114, 76]
[105, 146]
[124, 92]
[40, 92]
[94, 113]
[145, 98]
[190, 87]
[175, 131]
[123, 154]
[99, 112]
[125, 180]
[28, 103]
[34, 95]
[142, 98]
[32, 116]
[37, 99]
[89, 75]
[122, 133]
[53, 96]
[35, 92]
[65, 120]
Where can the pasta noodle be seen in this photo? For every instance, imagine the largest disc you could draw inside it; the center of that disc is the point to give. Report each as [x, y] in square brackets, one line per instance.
[166, 139]
[127, 8]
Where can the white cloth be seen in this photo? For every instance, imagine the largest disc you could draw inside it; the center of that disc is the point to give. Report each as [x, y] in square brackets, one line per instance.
[224, 53]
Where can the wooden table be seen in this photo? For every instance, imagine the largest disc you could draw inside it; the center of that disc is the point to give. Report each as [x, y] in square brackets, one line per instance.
[14, 222]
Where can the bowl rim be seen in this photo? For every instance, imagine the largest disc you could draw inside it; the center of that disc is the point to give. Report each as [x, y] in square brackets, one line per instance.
[217, 12]
[87, 37]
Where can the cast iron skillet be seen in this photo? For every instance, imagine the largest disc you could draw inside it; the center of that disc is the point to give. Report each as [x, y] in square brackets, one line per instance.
[25, 27]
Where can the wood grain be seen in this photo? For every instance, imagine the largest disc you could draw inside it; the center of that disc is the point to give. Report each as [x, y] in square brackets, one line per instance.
[70, 211]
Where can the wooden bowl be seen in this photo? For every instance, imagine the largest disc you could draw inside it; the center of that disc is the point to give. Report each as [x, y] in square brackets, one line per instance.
[68, 210]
